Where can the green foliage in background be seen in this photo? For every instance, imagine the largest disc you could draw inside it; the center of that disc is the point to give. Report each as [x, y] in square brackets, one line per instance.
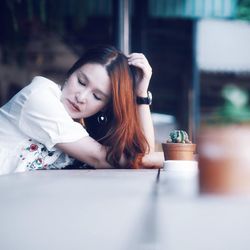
[243, 10]
[52, 13]
[236, 106]
[22, 20]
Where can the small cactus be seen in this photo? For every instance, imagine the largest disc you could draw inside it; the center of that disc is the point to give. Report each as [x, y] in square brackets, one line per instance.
[178, 136]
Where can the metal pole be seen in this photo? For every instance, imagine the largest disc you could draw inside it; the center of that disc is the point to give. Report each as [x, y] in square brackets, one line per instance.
[194, 97]
[124, 25]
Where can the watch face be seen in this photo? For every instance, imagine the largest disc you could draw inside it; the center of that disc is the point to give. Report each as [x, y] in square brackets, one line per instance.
[150, 97]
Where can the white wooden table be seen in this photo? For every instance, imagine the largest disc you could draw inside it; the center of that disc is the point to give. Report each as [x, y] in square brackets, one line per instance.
[116, 209]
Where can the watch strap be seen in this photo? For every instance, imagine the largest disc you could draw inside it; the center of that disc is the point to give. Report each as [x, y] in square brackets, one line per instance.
[144, 100]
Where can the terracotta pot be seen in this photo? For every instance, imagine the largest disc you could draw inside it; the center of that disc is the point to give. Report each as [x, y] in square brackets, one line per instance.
[224, 159]
[179, 151]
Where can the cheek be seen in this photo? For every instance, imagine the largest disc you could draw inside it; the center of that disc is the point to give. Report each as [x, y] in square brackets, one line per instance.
[96, 107]
[102, 107]
[67, 89]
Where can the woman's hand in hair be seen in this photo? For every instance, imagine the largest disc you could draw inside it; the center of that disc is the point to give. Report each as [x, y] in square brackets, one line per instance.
[140, 61]
[153, 160]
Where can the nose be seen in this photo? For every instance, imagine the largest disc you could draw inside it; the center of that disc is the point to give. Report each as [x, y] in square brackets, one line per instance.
[81, 97]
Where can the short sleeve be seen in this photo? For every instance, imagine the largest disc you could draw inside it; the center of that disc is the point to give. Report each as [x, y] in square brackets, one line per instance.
[44, 118]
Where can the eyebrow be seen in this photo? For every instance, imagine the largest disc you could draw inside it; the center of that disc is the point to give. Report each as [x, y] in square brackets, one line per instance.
[87, 80]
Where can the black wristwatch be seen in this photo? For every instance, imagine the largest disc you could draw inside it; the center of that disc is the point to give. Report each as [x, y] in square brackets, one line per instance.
[144, 100]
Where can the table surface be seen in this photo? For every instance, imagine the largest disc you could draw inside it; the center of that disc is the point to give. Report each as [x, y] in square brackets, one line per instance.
[117, 209]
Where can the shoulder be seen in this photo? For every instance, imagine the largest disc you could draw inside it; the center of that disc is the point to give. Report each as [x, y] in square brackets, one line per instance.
[40, 80]
[39, 88]
[41, 91]
[43, 96]
[42, 85]
[44, 117]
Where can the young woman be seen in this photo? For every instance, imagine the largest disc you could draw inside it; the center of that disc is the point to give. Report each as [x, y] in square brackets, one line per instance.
[100, 116]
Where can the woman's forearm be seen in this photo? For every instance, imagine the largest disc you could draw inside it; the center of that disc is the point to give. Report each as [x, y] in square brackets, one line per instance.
[153, 160]
[89, 151]
[147, 125]
[140, 61]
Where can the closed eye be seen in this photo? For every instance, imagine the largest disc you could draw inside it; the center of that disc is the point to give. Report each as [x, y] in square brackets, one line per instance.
[97, 97]
[82, 83]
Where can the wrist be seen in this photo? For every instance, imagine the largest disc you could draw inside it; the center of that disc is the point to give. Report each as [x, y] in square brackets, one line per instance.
[144, 99]
[142, 93]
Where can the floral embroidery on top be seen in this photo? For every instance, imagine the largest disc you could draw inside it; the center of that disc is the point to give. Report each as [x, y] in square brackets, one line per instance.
[33, 147]
[36, 156]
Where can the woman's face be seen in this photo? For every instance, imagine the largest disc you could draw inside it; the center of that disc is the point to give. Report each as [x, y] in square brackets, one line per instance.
[87, 91]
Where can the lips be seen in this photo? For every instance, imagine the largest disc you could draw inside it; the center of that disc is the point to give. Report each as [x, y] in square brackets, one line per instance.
[74, 106]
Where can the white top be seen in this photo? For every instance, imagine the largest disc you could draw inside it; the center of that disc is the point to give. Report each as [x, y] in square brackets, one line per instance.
[31, 123]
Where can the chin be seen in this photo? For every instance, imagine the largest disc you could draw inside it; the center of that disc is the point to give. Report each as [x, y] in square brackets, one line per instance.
[75, 117]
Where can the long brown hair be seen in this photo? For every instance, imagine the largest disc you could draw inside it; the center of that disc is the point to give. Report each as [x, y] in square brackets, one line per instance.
[122, 133]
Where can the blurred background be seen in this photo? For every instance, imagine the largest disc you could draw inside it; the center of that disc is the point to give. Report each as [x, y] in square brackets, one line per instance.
[195, 47]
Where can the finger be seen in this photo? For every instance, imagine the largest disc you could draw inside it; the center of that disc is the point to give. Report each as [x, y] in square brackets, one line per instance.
[134, 61]
[141, 65]
[136, 55]
[139, 61]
